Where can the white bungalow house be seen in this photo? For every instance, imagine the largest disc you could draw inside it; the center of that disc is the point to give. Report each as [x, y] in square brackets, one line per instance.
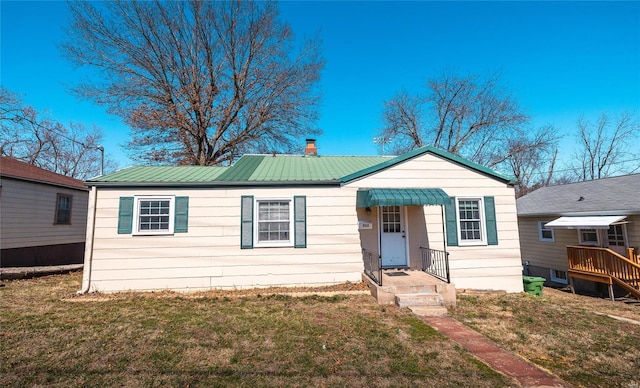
[43, 216]
[302, 220]
[585, 232]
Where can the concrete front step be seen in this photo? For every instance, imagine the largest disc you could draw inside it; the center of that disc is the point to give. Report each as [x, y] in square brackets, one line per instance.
[416, 289]
[429, 311]
[419, 299]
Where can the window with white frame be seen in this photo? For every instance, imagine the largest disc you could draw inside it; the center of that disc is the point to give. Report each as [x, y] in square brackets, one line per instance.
[274, 222]
[558, 276]
[471, 221]
[588, 236]
[154, 215]
[545, 234]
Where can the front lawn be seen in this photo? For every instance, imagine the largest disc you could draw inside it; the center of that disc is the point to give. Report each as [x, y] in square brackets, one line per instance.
[570, 335]
[50, 337]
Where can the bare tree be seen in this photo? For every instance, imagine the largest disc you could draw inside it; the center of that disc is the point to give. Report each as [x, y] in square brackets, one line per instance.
[471, 116]
[532, 158]
[604, 147]
[32, 137]
[403, 121]
[199, 82]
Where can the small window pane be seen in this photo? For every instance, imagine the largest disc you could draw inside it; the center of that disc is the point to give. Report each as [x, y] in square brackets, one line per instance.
[616, 235]
[589, 235]
[154, 215]
[391, 219]
[273, 220]
[469, 212]
[63, 209]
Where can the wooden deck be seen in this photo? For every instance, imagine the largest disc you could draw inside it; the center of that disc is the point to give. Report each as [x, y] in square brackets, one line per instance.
[605, 266]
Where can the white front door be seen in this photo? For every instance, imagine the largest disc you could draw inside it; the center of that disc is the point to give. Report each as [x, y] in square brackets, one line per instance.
[617, 239]
[392, 236]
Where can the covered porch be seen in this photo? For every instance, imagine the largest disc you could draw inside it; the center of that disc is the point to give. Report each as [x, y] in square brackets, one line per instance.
[401, 264]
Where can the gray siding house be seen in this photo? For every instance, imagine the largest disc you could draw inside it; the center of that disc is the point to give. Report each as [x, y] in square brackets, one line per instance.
[585, 230]
[43, 216]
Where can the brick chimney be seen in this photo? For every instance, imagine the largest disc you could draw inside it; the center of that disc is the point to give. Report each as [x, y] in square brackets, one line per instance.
[311, 149]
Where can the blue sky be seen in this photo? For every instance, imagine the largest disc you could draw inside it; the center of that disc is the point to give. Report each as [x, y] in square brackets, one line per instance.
[560, 60]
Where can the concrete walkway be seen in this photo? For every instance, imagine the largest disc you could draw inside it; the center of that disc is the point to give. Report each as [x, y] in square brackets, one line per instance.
[507, 363]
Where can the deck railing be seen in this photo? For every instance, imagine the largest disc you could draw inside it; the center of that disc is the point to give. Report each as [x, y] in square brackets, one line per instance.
[436, 263]
[372, 266]
[602, 261]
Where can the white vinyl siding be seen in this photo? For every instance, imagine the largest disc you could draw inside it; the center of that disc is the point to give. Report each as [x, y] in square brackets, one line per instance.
[481, 266]
[210, 254]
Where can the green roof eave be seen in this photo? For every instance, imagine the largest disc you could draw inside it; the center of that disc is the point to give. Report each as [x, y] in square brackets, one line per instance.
[428, 150]
[216, 184]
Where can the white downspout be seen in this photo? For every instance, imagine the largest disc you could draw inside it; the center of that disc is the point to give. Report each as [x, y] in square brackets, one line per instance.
[88, 246]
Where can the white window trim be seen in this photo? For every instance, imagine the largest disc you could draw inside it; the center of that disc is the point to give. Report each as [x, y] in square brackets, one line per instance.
[136, 214]
[591, 243]
[541, 228]
[552, 275]
[267, 244]
[483, 223]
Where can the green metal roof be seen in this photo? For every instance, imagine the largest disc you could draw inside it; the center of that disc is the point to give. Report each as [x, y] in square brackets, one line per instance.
[156, 174]
[297, 168]
[401, 197]
[254, 170]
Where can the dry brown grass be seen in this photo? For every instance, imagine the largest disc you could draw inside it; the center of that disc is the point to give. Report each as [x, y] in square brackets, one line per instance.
[571, 335]
[219, 339]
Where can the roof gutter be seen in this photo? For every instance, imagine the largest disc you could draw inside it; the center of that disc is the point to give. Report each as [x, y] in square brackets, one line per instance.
[216, 184]
[627, 212]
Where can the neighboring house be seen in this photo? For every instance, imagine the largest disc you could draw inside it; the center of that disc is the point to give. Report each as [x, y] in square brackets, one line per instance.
[580, 222]
[300, 220]
[43, 216]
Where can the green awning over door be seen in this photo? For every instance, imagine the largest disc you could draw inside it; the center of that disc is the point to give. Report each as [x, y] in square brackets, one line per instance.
[400, 197]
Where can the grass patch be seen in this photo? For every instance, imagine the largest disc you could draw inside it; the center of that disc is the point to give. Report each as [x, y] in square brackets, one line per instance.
[570, 335]
[50, 337]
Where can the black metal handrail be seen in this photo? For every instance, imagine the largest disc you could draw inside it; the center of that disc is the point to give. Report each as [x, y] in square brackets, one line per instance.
[436, 263]
[372, 266]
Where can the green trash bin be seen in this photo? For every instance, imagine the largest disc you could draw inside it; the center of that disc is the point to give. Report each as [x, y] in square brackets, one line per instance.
[533, 285]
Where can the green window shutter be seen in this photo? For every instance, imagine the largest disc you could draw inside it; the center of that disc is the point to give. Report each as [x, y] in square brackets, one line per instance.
[125, 215]
[452, 222]
[300, 221]
[246, 222]
[490, 217]
[181, 215]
